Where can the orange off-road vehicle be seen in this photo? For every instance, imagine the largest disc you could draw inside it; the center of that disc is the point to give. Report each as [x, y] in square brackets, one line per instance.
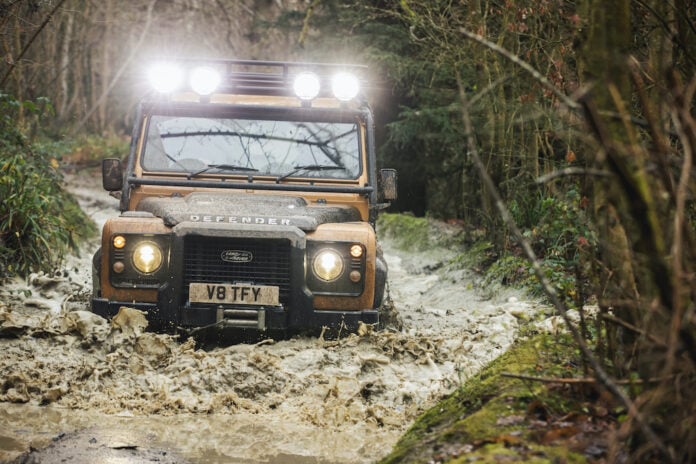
[248, 201]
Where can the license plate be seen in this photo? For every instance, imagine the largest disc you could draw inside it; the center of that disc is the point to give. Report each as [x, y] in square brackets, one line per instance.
[233, 294]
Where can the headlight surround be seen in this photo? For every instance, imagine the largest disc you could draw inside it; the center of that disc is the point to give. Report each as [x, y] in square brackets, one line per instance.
[143, 261]
[328, 265]
[147, 257]
[333, 269]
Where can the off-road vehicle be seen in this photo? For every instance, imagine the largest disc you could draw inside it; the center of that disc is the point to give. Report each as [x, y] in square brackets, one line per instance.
[248, 201]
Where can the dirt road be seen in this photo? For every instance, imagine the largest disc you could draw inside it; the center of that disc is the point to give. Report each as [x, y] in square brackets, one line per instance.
[80, 384]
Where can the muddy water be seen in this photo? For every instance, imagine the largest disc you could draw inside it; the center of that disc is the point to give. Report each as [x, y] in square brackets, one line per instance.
[309, 400]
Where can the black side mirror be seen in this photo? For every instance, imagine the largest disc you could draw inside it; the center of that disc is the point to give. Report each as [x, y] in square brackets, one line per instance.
[387, 184]
[112, 174]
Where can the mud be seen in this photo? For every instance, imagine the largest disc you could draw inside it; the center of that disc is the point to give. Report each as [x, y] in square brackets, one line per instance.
[64, 370]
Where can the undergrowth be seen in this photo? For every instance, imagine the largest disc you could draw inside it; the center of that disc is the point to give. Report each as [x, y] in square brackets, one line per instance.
[556, 227]
[39, 221]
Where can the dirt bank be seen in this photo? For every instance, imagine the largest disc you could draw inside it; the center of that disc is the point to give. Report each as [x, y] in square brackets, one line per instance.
[64, 369]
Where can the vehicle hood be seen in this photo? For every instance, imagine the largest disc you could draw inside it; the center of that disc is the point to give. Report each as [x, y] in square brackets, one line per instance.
[271, 210]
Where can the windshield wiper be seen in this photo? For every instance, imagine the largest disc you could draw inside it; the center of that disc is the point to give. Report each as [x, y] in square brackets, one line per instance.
[308, 167]
[226, 167]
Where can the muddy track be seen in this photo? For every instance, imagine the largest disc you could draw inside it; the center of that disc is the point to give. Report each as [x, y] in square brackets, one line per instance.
[65, 370]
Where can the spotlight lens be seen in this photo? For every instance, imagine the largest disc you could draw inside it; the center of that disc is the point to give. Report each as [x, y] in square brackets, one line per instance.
[345, 86]
[205, 80]
[306, 85]
[165, 77]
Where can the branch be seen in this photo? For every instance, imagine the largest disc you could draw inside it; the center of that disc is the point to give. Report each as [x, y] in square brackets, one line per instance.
[551, 293]
[569, 102]
[572, 172]
[633, 328]
[583, 380]
[19, 57]
[121, 70]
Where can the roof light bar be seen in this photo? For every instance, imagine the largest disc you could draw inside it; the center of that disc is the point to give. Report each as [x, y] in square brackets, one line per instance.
[205, 78]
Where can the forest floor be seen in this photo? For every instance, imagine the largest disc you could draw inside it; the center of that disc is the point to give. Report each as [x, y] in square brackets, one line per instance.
[74, 384]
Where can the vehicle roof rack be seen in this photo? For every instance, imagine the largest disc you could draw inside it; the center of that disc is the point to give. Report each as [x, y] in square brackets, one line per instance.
[257, 77]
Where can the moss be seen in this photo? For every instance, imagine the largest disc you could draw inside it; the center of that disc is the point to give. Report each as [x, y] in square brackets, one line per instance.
[408, 232]
[488, 418]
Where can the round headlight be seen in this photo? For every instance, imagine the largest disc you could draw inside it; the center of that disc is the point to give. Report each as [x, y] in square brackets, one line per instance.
[204, 80]
[327, 265]
[306, 85]
[147, 257]
[345, 86]
[165, 77]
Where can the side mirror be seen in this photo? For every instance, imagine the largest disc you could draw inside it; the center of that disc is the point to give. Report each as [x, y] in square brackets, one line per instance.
[387, 184]
[112, 174]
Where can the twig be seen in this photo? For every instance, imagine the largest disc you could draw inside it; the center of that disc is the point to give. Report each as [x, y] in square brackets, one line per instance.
[569, 102]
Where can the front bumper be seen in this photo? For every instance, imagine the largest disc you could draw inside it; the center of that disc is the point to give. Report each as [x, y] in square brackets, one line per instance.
[264, 319]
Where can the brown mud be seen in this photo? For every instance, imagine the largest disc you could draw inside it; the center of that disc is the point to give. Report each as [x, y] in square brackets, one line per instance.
[67, 373]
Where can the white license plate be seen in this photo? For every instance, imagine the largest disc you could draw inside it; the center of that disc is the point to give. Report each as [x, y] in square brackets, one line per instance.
[233, 294]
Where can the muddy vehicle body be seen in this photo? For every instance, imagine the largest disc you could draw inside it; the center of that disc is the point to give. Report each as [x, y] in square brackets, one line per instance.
[248, 202]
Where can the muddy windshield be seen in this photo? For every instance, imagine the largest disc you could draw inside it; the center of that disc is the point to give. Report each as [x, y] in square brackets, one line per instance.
[202, 146]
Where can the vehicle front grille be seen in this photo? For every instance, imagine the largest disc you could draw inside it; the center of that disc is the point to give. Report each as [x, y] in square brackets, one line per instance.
[269, 262]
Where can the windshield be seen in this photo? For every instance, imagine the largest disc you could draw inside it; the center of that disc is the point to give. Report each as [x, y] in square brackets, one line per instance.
[201, 145]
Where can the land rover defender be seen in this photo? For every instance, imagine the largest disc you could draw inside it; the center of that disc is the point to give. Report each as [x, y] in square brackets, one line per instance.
[248, 201]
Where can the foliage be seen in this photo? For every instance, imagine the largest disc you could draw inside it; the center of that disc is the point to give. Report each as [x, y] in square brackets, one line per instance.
[38, 220]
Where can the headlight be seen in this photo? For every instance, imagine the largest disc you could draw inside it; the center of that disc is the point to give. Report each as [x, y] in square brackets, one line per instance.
[165, 77]
[328, 265]
[204, 80]
[147, 257]
[306, 85]
[345, 86]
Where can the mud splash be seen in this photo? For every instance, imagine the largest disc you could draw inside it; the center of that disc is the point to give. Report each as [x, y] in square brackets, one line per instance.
[301, 400]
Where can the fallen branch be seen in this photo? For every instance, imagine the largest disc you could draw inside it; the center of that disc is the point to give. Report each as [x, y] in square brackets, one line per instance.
[572, 172]
[583, 380]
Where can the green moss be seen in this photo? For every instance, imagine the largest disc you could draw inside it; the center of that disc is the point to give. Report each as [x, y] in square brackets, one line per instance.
[474, 421]
[408, 232]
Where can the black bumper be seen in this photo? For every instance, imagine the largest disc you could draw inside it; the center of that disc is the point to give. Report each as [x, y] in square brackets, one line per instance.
[274, 319]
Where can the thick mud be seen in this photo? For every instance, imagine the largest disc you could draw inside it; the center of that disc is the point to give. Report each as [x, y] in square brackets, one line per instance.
[70, 380]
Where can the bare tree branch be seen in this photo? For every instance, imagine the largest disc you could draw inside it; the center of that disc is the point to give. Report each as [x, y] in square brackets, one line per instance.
[19, 57]
[121, 70]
